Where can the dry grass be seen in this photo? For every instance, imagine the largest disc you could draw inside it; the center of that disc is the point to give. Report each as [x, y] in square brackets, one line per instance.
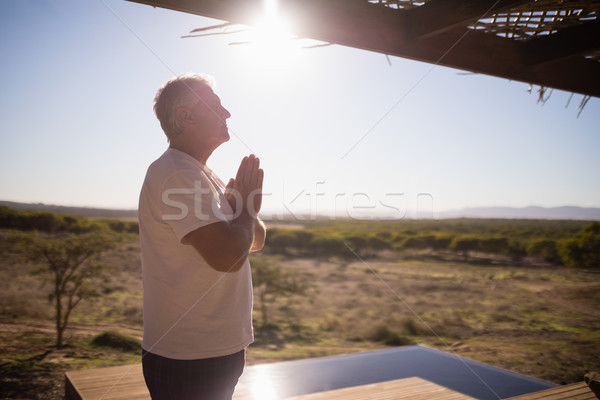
[541, 321]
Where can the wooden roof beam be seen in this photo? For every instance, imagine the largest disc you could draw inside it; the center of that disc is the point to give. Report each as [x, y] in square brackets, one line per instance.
[373, 27]
[577, 40]
[237, 11]
[438, 16]
[354, 23]
[506, 58]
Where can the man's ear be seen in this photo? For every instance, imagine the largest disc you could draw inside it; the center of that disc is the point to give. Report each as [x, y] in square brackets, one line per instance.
[184, 115]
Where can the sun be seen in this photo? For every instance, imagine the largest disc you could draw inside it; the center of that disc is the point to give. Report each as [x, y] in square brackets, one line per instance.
[270, 43]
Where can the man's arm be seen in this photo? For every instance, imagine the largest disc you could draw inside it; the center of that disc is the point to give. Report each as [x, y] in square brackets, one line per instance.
[260, 234]
[225, 245]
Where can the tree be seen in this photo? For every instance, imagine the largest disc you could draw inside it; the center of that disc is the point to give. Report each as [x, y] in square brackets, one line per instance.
[545, 249]
[271, 281]
[582, 251]
[494, 245]
[71, 264]
[280, 240]
[378, 243]
[441, 242]
[516, 250]
[464, 245]
[357, 243]
[328, 246]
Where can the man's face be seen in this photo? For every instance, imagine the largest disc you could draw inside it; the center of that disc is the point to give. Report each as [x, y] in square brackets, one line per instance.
[211, 117]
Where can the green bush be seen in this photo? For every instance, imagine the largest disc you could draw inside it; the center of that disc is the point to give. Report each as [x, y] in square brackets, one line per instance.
[464, 244]
[117, 341]
[50, 222]
[328, 246]
[494, 245]
[582, 251]
[418, 242]
[280, 240]
[378, 243]
[383, 334]
[545, 249]
[516, 250]
[442, 241]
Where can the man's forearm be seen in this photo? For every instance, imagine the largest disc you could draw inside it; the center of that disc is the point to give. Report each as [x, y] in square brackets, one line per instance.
[260, 234]
[242, 236]
[224, 245]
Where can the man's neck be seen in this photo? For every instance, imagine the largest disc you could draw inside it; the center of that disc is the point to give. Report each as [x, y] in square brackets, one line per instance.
[199, 153]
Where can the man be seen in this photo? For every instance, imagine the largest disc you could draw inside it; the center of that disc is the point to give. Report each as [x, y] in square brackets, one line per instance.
[196, 234]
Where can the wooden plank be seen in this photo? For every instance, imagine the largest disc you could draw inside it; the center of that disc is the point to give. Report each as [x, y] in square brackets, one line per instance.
[409, 388]
[112, 383]
[574, 391]
[127, 383]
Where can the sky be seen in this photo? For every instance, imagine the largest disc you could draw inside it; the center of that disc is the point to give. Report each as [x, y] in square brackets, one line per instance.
[340, 131]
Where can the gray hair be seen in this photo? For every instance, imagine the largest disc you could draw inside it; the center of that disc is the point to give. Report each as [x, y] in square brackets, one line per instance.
[176, 92]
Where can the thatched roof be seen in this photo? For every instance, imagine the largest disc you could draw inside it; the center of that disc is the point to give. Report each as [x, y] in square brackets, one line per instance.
[551, 43]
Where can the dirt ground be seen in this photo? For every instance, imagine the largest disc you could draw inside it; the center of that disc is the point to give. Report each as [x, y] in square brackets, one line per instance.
[32, 368]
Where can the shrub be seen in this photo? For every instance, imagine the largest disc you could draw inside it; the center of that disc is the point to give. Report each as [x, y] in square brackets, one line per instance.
[442, 242]
[279, 240]
[302, 238]
[545, 249]
[516, 250]
[494, 245]
[384, 335]
[328, 246]
[357, 242]
[414, 242]
[464, 245]
[377, 243]
[117, 341]
[583, 251]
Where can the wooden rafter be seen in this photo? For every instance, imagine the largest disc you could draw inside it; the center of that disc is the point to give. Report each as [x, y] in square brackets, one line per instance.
[569, 42]
[438, 16]
[481, 36]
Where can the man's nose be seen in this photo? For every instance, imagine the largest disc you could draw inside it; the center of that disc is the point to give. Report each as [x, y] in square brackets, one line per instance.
[225, 113]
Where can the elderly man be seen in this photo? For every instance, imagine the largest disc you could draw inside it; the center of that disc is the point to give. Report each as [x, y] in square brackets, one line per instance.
[196, 235]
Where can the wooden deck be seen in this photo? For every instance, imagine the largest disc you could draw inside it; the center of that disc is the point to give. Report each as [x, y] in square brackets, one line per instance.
[407, 388]
[124, 383]
[574, 391]
[127, 383]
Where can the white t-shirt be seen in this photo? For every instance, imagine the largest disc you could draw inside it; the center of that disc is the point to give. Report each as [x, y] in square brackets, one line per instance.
[191, 310]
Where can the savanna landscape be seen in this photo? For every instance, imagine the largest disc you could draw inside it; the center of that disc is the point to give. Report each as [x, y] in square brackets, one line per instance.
[518, 294]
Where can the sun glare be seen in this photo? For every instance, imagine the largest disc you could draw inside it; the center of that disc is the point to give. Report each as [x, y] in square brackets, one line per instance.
[271, 44]
[262, 388]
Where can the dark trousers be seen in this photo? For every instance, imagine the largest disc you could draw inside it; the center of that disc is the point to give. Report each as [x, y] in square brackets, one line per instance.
[209, 378]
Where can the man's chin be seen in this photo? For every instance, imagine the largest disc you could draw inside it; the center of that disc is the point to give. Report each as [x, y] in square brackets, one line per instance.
[226, 136]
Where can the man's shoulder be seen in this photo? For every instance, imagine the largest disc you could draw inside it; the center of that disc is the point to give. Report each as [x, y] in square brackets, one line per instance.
[176, 169]
[172, 158]
[173, 161]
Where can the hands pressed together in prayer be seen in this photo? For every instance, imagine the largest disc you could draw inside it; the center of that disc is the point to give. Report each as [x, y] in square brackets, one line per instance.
[245, 190]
